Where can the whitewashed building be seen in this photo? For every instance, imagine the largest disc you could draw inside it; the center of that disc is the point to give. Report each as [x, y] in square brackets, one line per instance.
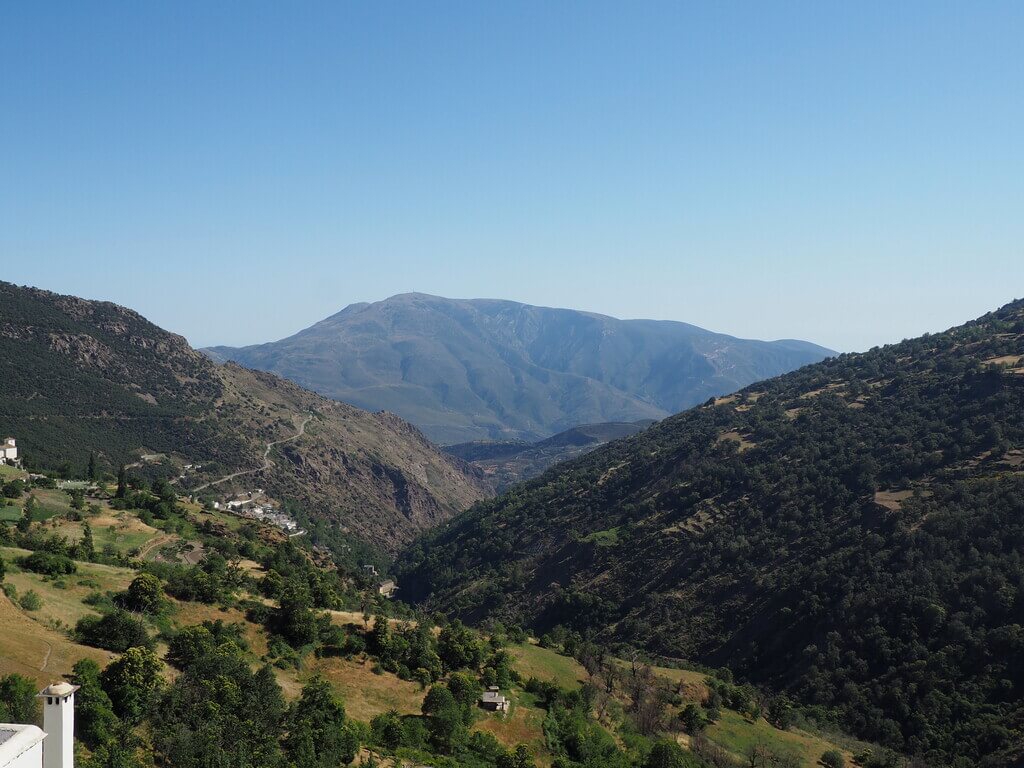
[9, 450]
[53, 745]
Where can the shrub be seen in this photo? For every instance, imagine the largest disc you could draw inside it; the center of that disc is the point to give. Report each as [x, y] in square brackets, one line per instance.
[31, 601]
[116, 631]
[48, 563]
[833, 758]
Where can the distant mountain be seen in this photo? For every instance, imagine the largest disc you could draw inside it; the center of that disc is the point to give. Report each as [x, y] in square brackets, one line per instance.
[850, 533]
[510, 462]
[464, 370]
[85, 377]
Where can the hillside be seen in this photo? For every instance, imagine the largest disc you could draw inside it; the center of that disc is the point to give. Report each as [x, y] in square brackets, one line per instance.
[464, 370]
[509, 462]
[850, 533]
[194, 609]
[86, 377]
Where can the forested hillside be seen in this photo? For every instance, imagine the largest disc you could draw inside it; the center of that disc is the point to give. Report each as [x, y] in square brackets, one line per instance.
[510, 462]
[851, 533]
[92, 379]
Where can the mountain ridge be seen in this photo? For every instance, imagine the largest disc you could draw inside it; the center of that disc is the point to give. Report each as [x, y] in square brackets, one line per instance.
[470, 369]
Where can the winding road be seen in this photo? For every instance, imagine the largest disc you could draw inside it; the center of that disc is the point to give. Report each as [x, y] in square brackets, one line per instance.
[267, 463]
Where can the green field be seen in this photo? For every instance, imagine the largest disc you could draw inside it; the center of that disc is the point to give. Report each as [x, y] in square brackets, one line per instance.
[534, 661]
[10, 514]
[740, 735]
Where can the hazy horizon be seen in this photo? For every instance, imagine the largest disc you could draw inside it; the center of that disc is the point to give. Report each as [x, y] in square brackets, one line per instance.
[847, 175]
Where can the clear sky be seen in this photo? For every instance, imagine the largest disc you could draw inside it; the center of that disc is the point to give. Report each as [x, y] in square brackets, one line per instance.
[851, 173]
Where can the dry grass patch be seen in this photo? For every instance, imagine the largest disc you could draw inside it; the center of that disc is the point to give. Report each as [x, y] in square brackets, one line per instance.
[63, 597]
[892, 500]
[523, 725]
[736, 437]
[366, 694]
[1010, 360]
[30, 649]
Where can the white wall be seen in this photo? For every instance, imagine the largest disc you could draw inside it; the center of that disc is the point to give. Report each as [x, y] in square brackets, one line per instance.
[30, 758]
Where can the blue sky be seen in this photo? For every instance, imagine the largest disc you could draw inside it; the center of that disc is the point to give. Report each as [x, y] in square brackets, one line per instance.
[848, 173]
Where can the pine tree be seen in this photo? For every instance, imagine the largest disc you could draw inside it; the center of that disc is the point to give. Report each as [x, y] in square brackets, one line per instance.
[122, 482]
[92, 472]
[88, 545]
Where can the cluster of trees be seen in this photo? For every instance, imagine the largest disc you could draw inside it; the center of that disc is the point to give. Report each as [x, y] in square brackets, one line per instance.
[748, 533]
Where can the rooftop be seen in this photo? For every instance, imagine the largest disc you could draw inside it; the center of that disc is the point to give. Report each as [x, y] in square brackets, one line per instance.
[58, 689]
[17, 739]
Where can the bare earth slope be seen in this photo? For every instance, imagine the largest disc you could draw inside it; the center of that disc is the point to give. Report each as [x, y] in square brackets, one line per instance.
[84, 376]
[477, 369]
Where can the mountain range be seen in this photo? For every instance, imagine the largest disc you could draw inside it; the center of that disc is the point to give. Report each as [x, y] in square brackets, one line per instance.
[467, 370]
[850, 533]
[88, 378]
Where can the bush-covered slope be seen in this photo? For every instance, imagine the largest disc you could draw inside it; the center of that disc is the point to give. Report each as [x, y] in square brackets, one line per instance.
[83, 377]
[510, 462]
[852, 532]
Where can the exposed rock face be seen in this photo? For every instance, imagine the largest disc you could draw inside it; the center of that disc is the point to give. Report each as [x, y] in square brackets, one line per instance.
[94, 377]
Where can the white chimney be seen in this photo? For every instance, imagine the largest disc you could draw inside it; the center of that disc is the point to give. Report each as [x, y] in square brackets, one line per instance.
[59, 724]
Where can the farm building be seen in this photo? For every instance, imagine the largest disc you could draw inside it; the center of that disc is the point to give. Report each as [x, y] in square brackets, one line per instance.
[494, 701]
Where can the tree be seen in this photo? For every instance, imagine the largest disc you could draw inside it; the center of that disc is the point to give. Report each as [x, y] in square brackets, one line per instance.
[693, 719]
[18, 703]
[87, 545]
[116, 631]
[387, 730]
[132, 682]
[445, 720]
[95, 721]
[122, 482]
[667, 754]
[3, 570]
[120, 753]
[31, 601]
[459, 647]
[295, 620]
[28, 514]
[14, 489]
[380, 638]
[92, 473]
[519, 758]
[833, 758]
[317, 732]
[145, 594]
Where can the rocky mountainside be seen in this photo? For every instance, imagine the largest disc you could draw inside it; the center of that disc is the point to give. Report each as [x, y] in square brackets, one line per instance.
[465, 370]
[86, 377]
[850, 533]
[509, 462]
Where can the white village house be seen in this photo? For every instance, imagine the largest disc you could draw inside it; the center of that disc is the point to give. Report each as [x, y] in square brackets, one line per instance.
[52, 746]
[9, 451]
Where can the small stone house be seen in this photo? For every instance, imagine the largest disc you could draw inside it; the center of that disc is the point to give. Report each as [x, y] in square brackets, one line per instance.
[494, 701]
[387, 588]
